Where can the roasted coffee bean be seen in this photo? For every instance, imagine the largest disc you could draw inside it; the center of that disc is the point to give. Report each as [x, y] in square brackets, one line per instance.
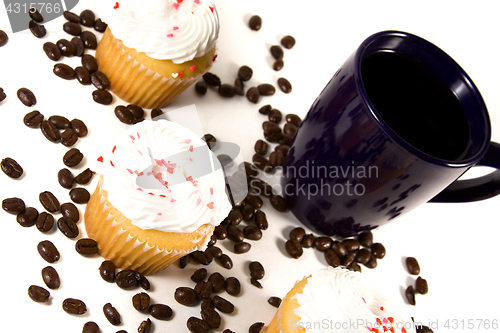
[220, 232]
[262, 163]
[100, 80]
[26, 97]
[423, 329]
[89, 40]
[79, 126]
[72, 157]
[100, 26]
[239, 88]
[111, 314]
[27, 218]
[79, 47]
[256, 327]
[232, 286]
[235, 217]
[226, 90]
[87, 18]
[66, 47]
[286, 140]
[294, 248]
[285, 85]
[126, 279]
[277, 52]
[297, 233]
[38, 30]
[351, 245]
[13, 205]
[211, 79]
[412, 266]
[254, 200]
[252, 232]
[60, 122]
[247, 212]
[70, 211]
[183, 261]
[52, 51]
[256, 270]
[410, 295]
[50, 131]
[49, 201]
[275, 116]
[322, 243]
[278, 65]
[372, 263]
[79, 195]
[261, 147]
[210, 140]
[222, 304]
[72, 28]
[354, 267]
[142, 281]
[197, 325]
[365, 239]
[214, 251]
[35, 15]
[84, 177]
[201, 257]
[124, 115]
[136, 111]
[421, 286]
[201, 87]
[141, 301]
[72, 17]
[339, 249]
[91, 327]
[48, 251]
[293, 119]
[51, 277]
[33, 119]
[199, 275]
[82, 75]
[265, 109]
[276, 158]
[107, 271]
[38, 294]
[241, 247]
[185, 296]
[307, 241]
[288, 42]
[290, 128]
[160, 311]
[226, 261]
[11, 168]
[255, 22]
[217, 281]
[261, 220]
[279, 203]
[274, 301]
[253, 94]
[347, 259]
[266, 89]
[235, 234]
[212, 242]
[245, 73]
[68, 138]
[378, 250]
[211, 317]
[256, 283]
[86, 246]
[3, 38]
[363, 256]
[68, 227]
[156, 113]
[89, 63]
[203, 289]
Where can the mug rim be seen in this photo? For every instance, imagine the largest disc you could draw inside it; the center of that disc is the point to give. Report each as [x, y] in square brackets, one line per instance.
[362, 52]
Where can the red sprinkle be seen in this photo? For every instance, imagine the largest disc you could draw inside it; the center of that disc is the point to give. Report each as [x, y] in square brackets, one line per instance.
[211, 191]
[215, 57]
[379, 321]
[163, 196]
[170, 35]
[150, 193]
[100, 159]
[403, 330]
[111, 163]
[391, 320]
[132, 138]
[116, 6]
[138, 135]
[176, 5]
[176, 28]
[191, 148]
[382, 308]
[211, 8]
[130, 171]
[114, 148]
[391, 329]
[363, 299]
[210, 205]
[189, 179]
[180, 75]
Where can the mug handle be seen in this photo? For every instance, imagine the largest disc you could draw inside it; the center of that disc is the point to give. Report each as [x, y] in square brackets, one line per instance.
[476, 189]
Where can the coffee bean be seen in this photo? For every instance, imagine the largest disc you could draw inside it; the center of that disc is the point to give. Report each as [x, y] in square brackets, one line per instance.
[363, 256]
[378, 250]
[183, 261]
[307, 241]
[156, 113]
[201, 87]
[38, 294]
[217, 281]
[297, 234]
[142, 281]
[68, 227]
[37, 30]
[3, 38]
[126, 279]
[255, 22]
[136, 111]
[35, 15]
[214, 251]
[84, 177]
[185, 296]
[27, 218]
[241, 247]
[239, 88]
[51, 277]
[247, 211]
[203, 289]
[274, 301]
[72, 17]
[225, 160]
[351, 245]
[124, 115]
[199, 275]
[347, 259]
[100, 80]
[261, 220]
[197, 325]
[276, 52]
[339, 249]
[232, 286]
[160, 311]
[50, 131]
[322, 243]
[91, 327]
[294, 248]
[79, 126]
[67, 48]
[290, 129]
[82, 75]
[286, 140]
[11, 168]
[79, 47]
[222, 304]
[33, 119]
[421, 286]
[111, 314]
[226, 261]
[72, 157]
[211, 317]
[410, 295]
[49, 201]
[87, 18]
[70, 211]
[89, 63]
[207, 304]
[89, 40]
[235, 217]
[256, 327]
[285, 85]
[260, 147]
[72, 28]
[107, 271]
[372, 263]
[86, 246]
[274, 117]
[354, 267]
[226, 90]
[412, 266]
[266, 89]
[424, 329]
[212, 79]
[235, 234]
[256, 270]
[254, 200]
[220, 232]
[26, 97]
[288, 42]
[265, 109]
[141, 301]
[293, 119]
[366, 238]
[52, 51]
[100, 26]
[245, 73]
[278, 65]
[253, 94]
[63, 123]
[48, 251]
[201, 257]
[262, 163]
[276, 158]
[279, 203]
[79, 195]
[13, 205]
[252, 232]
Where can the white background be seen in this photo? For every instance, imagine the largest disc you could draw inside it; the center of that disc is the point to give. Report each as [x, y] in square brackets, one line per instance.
[454, 243]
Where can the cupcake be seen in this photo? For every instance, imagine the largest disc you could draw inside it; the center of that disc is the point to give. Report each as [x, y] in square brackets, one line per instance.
[337, 300]
[153, 50]
[160, 195]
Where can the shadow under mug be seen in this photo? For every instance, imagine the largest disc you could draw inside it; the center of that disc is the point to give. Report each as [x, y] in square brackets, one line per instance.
[396, 125]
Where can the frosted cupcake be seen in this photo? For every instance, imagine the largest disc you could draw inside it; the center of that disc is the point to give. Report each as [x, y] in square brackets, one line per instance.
[153, 50]
[337, 300]
[160, 196]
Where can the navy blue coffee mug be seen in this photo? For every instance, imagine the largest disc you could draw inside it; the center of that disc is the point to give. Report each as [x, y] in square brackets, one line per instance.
[394, 128]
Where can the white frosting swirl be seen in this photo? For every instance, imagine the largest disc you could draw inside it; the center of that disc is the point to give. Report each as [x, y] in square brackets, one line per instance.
[175, 189]
[339, 300]
[179, 30]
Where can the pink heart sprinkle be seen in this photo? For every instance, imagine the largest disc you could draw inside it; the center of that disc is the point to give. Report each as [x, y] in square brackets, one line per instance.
[170, 35]
[210, 205]
[176, 5]
[192, 68]
[176, 28]
[197, 2]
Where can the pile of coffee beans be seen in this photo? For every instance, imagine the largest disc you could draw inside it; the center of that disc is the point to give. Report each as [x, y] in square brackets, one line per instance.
[421, 286]
[132, 114]
[38, 30]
